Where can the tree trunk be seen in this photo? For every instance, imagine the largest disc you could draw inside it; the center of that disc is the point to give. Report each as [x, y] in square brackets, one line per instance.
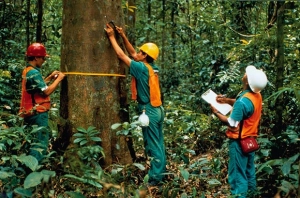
[27, 23]
[92, 100]
[39, 22]
[279, 106]
[279, 65]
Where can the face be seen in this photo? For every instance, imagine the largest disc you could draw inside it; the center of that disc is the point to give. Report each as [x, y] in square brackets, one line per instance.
[245, 80]
[140, 56]
[40, 61]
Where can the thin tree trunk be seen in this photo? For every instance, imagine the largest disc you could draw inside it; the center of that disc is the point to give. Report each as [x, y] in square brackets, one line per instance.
[27, 22]
[163, 35]
[149, 18]
[279, 106]
[279, 65]
[39, 21]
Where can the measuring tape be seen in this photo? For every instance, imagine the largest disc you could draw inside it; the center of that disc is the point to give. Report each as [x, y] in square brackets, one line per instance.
[92, 74]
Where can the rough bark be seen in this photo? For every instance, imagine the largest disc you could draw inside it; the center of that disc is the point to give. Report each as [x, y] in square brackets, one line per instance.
[92, 100]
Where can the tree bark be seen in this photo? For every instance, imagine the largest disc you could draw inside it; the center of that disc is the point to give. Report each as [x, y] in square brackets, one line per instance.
[92, 100]
[27, 22]
[279, 106]
[39, 22]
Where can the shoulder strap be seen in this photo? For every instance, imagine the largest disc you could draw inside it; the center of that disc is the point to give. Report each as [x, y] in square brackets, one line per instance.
[241, 128]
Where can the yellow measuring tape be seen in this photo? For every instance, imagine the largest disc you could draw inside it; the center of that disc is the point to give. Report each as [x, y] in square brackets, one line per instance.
[92, 74]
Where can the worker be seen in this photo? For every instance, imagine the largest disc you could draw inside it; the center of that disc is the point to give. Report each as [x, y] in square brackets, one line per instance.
[146, 91]
[244, 119]
[35, 98]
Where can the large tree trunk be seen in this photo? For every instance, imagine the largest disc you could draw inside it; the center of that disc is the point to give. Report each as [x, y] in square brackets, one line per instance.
[92, 100]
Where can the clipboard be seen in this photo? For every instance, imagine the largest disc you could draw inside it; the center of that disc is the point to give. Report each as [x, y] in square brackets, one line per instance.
[210, 97]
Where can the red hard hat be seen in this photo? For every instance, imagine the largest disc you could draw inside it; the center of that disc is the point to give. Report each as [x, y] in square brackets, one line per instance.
[36, 49]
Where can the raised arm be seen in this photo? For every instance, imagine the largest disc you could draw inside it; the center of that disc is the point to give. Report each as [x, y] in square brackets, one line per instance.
[130, 49]
[120, 53]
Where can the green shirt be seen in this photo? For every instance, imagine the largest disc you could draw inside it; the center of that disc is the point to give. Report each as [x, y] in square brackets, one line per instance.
[141, 73]
[242, 108]
[34, 81]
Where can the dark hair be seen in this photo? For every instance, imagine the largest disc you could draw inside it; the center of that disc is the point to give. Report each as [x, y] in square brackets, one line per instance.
[30, 58]
[149, 59]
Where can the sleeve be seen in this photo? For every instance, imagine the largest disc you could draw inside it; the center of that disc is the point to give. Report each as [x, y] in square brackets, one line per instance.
[242, 109]
[35, 82]
[232, 123]
[136, 69]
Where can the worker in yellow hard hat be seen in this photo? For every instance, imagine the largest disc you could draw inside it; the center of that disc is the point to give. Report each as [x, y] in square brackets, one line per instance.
[145, 90]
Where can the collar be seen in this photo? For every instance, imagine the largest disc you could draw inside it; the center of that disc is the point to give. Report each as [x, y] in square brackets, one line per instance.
[37, 68]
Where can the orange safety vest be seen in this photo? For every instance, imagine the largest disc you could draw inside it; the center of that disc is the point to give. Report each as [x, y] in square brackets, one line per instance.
[155, 97]
[32, 104]
[250, 125]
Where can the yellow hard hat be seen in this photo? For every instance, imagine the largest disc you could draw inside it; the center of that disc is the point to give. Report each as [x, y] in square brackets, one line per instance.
[151, 49]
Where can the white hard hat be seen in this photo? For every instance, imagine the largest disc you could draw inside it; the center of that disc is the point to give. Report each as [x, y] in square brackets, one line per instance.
[257, 79]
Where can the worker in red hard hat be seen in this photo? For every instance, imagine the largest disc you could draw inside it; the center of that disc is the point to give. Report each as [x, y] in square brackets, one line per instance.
[35, 98]
[146, 91]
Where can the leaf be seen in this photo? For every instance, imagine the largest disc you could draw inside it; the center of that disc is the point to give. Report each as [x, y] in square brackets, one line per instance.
[115, 126]
[140, 166]
[78, 135]
[78, 140]
[286, 167]
[185, 174]
[269, 164]
[83, 142]
[184, 195]
[214, 182]
[5, 175]
[30, 161]
[33, 179]
[96, 184]
[91, 128]
[47, 174]
[81, 130]
[96, 139]
[23, 192]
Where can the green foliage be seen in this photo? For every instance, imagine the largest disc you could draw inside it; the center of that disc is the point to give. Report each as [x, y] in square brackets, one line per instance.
[203, 44]
[14, 145]
[87, 140]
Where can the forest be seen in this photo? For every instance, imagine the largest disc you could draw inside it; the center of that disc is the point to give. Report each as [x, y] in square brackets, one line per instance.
[96, 146]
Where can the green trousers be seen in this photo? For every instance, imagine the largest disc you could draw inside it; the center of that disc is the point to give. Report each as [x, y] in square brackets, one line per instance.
[241, 171]
[154, 142]
[40, 143]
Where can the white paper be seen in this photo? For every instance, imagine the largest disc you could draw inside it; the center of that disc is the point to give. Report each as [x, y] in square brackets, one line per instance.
[211, 97]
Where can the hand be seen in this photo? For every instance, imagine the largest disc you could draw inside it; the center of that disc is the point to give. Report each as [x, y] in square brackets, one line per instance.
[54, 74]
[214, 110]
[120, 30]
[60, 76]
[221, 99]
[109, 30]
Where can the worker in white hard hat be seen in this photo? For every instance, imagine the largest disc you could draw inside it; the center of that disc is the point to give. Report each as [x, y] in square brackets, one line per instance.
[243, 122]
